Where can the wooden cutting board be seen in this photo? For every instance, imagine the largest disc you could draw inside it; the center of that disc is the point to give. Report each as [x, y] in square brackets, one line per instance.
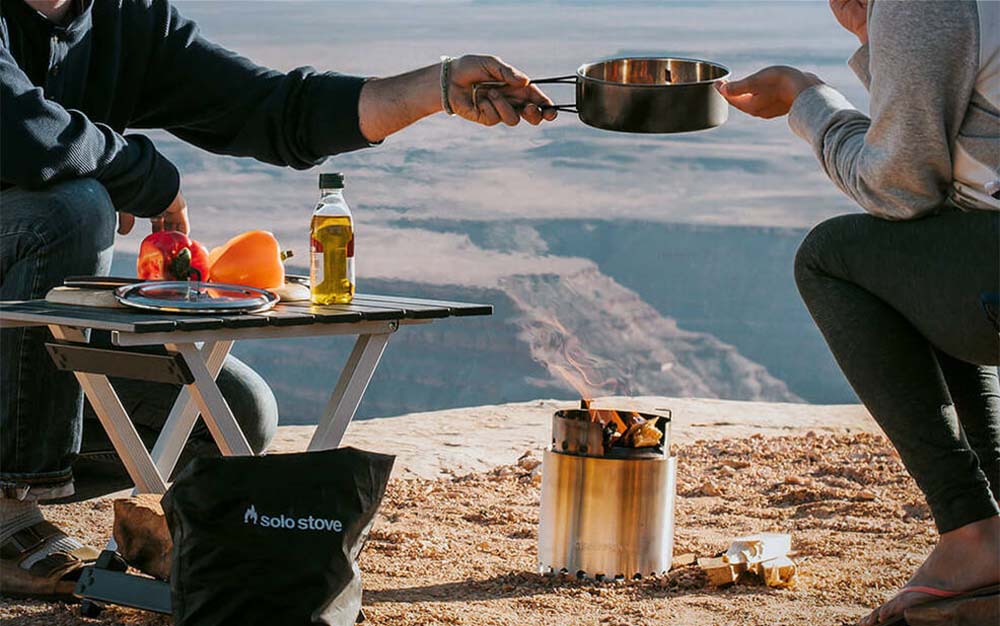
[102, 298]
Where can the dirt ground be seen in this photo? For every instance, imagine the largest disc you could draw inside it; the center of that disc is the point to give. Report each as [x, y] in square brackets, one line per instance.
[460, 550]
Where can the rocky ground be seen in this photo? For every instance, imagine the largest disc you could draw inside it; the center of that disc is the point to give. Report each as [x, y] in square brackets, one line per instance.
[460, 548]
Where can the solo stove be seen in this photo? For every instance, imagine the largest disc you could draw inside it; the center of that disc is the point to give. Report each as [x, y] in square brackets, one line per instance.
[607, 509]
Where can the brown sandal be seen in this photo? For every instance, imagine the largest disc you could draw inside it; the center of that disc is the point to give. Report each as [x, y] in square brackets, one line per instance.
[53, 576]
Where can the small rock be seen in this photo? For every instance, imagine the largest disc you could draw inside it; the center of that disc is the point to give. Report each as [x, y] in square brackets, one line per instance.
[683, 560]
[708, 488]
[528, 462]
[142, 535]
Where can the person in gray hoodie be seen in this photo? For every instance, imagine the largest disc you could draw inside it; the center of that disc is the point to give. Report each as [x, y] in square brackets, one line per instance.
[899, 291]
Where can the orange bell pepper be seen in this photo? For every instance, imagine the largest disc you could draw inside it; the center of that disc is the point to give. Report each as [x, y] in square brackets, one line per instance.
[253, 259]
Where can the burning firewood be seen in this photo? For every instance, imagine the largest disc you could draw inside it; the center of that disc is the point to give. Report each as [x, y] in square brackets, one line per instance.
[624, 428]
[610, 432]
[642, 434]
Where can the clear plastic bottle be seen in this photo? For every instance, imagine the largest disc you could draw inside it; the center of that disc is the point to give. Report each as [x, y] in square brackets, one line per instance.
[331, 267]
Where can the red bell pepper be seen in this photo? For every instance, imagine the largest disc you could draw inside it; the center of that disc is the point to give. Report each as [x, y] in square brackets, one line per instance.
[170, 255]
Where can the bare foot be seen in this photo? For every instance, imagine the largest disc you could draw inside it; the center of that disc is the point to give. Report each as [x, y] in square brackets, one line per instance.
[963, 560]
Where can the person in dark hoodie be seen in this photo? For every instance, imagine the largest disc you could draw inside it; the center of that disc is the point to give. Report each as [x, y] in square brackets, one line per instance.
[74, 75]
[899, 292]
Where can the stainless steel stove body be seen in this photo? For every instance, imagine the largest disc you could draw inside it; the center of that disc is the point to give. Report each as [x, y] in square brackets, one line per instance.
[605, 513]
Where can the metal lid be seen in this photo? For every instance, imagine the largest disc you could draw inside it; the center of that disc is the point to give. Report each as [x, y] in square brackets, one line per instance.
[334, 180]
[195, 297]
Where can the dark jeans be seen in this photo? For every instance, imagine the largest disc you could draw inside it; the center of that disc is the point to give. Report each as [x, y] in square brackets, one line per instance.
[900, 306]
[65, 230]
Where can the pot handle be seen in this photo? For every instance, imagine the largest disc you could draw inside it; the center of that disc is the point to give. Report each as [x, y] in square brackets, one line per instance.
[558, 80]
[555, 80]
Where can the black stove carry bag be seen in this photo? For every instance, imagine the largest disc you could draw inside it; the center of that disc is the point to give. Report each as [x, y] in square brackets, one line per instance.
[273, 539]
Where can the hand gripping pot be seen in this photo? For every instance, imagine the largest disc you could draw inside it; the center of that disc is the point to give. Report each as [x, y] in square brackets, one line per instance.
[604, 514]
[260, 541]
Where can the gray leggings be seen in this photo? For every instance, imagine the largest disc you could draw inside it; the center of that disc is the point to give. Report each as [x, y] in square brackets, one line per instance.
[899, 305]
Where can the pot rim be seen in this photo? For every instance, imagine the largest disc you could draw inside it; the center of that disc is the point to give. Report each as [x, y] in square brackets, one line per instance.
[580, 71]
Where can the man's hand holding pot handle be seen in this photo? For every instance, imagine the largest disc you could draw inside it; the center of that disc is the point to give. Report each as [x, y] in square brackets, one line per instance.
[518, 99]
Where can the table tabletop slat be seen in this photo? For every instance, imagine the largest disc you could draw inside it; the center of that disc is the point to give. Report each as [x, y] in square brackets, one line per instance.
[324, 314]
[367, 313]
[456, 309]
[85, 317]
[284, 316]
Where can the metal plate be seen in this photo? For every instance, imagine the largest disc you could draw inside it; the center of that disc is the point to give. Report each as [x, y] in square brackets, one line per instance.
[195, 297]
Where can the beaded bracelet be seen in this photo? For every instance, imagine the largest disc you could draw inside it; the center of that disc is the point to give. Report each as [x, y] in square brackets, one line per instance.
[445, 84]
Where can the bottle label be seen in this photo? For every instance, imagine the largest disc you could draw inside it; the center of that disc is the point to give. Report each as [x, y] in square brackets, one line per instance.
[316, 273]
[350, 263]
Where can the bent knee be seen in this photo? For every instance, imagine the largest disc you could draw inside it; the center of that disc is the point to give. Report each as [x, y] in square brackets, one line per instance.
[252, 402]
[820, 252]
[82, 211]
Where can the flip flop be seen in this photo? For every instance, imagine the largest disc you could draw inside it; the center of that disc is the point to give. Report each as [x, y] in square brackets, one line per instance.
[941, 596]
[53, 577]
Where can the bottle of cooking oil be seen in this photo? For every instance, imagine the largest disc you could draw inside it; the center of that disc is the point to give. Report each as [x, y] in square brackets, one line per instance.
[331, 267]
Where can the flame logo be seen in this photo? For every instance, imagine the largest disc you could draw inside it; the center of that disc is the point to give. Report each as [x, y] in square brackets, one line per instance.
[250, 517]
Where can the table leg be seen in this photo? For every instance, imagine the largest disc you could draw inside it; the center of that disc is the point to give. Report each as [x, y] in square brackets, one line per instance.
[350, 389]
[183, 416]
[217, 415]
[116, 422]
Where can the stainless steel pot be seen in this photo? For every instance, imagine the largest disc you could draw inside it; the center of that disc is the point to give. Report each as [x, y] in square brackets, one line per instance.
[647, 94]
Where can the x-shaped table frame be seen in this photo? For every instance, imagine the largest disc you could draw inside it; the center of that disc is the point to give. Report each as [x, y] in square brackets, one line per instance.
[150, 471]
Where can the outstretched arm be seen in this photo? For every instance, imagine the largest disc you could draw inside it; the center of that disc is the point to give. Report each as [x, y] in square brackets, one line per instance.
[225, 103]
[391, 104]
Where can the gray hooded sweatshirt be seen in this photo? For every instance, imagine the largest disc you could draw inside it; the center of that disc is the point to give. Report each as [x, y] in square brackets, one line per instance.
[933, 138]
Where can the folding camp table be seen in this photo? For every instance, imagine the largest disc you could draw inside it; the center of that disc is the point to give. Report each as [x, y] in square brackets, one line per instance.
[196, 347]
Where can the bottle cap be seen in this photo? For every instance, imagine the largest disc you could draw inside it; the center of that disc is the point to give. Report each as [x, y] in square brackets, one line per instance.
[331, 180]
